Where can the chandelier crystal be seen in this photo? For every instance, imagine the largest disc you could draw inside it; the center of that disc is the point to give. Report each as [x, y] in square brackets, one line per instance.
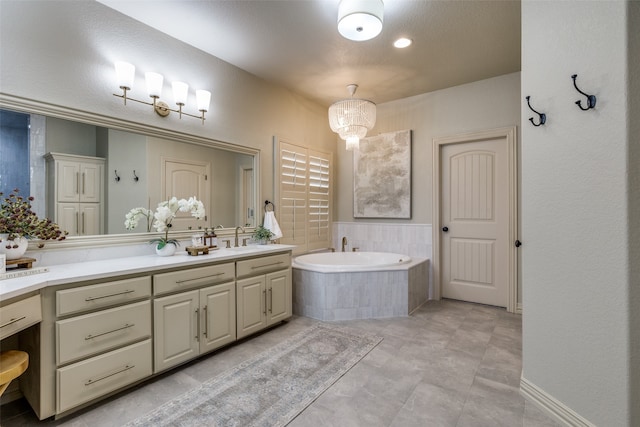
[352, 118]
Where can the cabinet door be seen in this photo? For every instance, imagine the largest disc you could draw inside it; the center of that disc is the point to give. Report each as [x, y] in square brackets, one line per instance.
[90, 182]
[279, 297]
[218, 316]
[68, 178]
[251, 297]
[67, 217]
[175, 329]
[89, 221]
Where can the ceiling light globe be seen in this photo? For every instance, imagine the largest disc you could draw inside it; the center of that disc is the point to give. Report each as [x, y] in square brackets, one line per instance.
[360, 20]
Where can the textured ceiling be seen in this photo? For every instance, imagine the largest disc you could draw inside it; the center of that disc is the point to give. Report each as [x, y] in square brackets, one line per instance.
[296, 44]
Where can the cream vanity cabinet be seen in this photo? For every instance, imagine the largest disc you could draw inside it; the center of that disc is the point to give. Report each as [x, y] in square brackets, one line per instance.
[263, 292]
[194, 313]
[102, 339]
[19, 315]
[75, 192]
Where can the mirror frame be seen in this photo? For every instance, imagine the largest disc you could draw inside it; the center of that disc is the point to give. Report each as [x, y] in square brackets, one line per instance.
[29, 106]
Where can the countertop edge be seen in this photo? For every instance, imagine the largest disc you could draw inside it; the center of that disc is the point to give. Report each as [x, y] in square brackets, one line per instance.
[102, 269]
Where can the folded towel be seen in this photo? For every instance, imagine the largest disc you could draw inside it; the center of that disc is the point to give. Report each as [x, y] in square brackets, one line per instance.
[271, 224]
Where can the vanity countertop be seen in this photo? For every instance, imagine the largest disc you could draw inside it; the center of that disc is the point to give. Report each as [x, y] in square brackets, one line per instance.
[92, 270]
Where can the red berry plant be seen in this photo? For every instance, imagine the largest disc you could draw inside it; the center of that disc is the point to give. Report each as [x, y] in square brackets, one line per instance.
[18, 220]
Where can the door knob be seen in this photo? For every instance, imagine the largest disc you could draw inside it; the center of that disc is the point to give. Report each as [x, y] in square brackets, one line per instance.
[518, 243]
[445, 229]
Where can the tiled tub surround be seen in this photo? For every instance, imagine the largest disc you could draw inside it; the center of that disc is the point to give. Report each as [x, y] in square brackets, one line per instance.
[410, 239]
[391, 292]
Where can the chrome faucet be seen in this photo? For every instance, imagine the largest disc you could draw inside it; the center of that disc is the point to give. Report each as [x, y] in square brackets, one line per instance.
[236, 241]
[344, 242]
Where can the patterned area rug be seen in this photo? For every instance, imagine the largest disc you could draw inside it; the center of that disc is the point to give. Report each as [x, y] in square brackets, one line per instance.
[272, 388]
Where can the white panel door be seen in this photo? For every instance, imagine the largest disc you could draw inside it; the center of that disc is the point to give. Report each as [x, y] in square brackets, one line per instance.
[183, 179]
[475, 221]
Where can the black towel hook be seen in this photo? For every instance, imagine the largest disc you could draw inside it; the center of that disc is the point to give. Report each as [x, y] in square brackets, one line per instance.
[543, 116]
[117, 177]
[136, 178]
[591, 99]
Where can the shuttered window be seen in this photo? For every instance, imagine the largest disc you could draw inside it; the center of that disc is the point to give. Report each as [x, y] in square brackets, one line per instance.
[304, 196]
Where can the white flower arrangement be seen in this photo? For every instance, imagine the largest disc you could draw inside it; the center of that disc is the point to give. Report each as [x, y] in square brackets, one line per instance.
[162, 217]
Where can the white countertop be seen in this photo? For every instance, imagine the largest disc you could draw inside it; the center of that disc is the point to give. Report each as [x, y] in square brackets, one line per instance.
[81, 271]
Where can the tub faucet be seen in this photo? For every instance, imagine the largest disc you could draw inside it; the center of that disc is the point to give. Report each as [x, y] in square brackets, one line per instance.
[344, 242]
[236, 241]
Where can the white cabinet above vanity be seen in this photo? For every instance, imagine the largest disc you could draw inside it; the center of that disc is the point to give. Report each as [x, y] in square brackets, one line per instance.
[107, 325]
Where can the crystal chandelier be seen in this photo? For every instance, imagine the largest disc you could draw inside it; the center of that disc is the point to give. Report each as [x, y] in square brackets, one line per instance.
[352, 118]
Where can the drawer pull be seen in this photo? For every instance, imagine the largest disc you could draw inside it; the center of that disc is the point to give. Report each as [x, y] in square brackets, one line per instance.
[12, 321]
[198, 278]
[266, 265]
[90, 337]
[270, 300]
[108, 296]
[126, 368]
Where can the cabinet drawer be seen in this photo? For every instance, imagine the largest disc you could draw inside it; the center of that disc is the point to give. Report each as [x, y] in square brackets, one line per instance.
[91, 297]
[266, 264]
[20, 315]
[92, 378]
[195, 277]
[96, 332]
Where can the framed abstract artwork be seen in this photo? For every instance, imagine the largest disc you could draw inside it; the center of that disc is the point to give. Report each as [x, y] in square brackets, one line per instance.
[382, 176]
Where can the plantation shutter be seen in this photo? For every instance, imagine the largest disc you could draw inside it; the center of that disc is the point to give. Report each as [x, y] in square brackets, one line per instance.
[293, 195]
[319, 192]
[304, 196]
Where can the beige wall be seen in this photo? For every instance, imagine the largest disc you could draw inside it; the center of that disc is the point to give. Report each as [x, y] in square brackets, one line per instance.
[580, 208]
[62, 53]
[481, 105]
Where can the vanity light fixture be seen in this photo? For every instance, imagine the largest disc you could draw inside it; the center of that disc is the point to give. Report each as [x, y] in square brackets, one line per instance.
[125, 74]
[360, 20]
[352, 118]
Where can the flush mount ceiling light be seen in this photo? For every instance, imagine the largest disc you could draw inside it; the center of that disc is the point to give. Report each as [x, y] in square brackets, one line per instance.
[352, 118]
[360, 20]
[125, 75]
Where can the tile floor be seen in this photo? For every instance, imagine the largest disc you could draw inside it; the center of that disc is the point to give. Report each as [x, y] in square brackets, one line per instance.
[449, 364]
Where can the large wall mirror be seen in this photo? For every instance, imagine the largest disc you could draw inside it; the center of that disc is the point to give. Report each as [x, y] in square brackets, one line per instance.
[141, 166]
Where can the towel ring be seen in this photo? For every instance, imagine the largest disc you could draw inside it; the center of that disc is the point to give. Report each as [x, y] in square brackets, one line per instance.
[268, 206]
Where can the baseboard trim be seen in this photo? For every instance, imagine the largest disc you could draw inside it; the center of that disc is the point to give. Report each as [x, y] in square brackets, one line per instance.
[552, 406]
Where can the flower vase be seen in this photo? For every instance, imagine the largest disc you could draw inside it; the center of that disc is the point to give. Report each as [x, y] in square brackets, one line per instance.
[167, 250]
[13, 249]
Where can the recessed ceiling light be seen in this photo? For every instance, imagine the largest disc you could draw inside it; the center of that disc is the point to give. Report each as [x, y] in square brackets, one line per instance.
[402, 42]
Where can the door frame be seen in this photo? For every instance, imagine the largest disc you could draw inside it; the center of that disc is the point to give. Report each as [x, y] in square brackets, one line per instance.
[510, 135]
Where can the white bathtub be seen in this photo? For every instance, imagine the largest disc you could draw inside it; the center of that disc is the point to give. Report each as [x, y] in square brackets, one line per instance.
[328, 262]
[358, 285]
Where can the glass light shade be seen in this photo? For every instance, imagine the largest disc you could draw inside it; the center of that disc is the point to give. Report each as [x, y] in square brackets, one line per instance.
[360, 20]
[352, 117]
[154, 84]
[203, 99]
[180, 92]
[125, 74]
[353, 143]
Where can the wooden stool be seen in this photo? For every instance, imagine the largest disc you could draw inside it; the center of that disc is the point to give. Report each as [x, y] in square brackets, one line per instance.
[12, 364]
